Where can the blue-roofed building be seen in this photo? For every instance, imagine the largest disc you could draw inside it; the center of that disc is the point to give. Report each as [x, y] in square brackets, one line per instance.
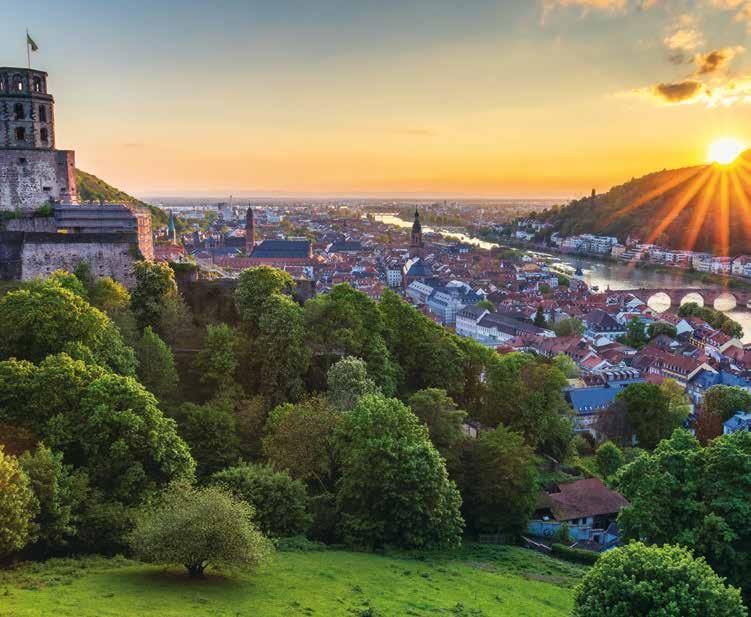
[705, 379]
[589, 402]
[741, 421]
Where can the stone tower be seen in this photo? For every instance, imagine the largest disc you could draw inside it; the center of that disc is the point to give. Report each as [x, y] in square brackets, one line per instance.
[32, 172]
[415, 243]
[171, 229]
[250, 232]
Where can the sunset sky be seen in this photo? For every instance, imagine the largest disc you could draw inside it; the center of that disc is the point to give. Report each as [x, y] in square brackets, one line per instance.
[429, 97]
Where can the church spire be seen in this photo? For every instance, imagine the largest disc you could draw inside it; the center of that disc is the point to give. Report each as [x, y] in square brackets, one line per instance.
[171, 229]
[415, 243]
[250, 232]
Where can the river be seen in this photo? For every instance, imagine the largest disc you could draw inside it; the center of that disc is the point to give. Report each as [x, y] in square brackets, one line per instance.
[601, 274]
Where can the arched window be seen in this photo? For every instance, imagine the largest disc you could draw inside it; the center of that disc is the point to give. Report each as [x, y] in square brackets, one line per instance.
[42, 113]
[20, 133]
[18, 111]
[44, 136]
[37, 84]
[2, 83]
[17, 83]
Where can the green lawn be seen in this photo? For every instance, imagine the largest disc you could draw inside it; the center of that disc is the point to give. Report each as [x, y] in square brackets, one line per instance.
[476, 581]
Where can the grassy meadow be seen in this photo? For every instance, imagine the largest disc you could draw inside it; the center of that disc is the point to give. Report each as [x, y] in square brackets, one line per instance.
[475, 581]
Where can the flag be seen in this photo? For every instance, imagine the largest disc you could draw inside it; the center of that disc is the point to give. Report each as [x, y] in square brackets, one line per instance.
[30, 42]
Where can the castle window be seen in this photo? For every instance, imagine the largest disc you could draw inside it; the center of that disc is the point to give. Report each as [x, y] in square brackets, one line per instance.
[2, 84]
[19, 112]
[17, 83]
[37, 84]
[42, 113]
[20, 134]
[22, 161]
[44, 136]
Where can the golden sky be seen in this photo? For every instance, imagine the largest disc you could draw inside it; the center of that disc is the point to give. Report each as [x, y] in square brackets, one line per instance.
[505, 98]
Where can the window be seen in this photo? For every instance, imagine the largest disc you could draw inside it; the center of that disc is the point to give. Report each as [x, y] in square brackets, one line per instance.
[2, 84]
[44, 136]
[42, 113]
[37, 84]
[17, 83]
[19, 112]
[22, 161]
[20, 134]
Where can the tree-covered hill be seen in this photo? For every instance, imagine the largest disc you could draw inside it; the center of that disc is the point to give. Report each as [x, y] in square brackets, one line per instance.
[704, 208]
[91, 188]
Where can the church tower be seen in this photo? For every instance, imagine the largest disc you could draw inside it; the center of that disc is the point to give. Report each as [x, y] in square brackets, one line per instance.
[415, 244]
[171, 229]
[250, 232]
[27, 144]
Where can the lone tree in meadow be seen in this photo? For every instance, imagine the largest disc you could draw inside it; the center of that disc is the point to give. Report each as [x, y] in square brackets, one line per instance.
[653, 581]
[198, 528]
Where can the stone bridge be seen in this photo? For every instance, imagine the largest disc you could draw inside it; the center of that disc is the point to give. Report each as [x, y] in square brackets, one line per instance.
[736, 297]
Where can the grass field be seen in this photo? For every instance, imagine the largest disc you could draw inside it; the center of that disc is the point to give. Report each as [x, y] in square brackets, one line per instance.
[475, 582]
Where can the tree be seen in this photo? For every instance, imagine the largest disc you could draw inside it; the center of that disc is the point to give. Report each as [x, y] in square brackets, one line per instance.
[566, 365]
[156, 366]
[279, 357]
[155, 285]
[104, 423]
[425, 354]
[197, 528]
[685, 494]
[48, 319]
[58, 491]
[654, 412]
[217, 361]
[569, 326]
[636, 334]
[487, 305]
[210, 430]
[109, 296]
[524, 393]
[609, 459]
[254, 287]
[300, 439]
[346, 322]
[661, 328]
[501, 491]
[648, 580]
[348, 382]
[394, 488]
[69, 281]
[17, 506]
[724, 401]
[439, 413]
[715, 318]
[539, 320]
[280, 503]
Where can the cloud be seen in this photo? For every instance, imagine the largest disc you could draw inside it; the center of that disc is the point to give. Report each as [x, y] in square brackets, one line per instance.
[585, 6]
[717, 60]
[678, 92]
[683, 36]
[416, 132]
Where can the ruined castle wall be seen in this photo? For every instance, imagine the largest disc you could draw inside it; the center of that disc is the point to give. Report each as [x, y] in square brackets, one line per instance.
[107, 254]
[11, 247]
[29, 178]
[31, 223]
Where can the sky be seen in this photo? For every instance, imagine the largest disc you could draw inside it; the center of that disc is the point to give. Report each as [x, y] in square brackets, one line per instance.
[532, 98]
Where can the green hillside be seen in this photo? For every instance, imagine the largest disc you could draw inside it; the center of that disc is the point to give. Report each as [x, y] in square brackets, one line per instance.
[487, 582]
[704, 208]
[91, 188]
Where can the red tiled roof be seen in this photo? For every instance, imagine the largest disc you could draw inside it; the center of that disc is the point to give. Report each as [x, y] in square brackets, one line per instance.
[583, 498]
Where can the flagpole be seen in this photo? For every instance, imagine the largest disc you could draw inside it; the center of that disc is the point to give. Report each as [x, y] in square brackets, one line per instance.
[28, 51]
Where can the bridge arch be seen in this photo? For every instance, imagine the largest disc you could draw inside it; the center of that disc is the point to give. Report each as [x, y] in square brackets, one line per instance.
[659, 302]
[693, 296]
[725, 301]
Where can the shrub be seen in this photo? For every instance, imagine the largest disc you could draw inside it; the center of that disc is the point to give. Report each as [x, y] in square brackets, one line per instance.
[198, 527]
[577, 555]
[278, 500]
[650, 580]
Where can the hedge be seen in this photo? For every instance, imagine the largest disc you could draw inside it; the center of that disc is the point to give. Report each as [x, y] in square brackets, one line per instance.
[577, 555]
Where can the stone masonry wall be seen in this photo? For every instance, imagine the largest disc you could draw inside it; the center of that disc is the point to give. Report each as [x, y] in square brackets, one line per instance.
[107, 254]
[29, 178]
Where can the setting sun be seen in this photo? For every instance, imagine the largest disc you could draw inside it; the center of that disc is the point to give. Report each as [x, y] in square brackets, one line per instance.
[724, 151]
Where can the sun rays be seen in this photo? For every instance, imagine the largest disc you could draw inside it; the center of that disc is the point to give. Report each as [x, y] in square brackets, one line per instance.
[711, 203]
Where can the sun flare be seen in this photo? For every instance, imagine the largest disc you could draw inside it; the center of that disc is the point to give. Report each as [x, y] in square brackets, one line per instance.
[724, 151]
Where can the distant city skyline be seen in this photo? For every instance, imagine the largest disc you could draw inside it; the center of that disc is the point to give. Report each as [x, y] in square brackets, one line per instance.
[537, 99]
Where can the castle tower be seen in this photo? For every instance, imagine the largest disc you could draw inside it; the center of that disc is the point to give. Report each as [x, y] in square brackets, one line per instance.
[415, 244]
[36, 173]
[250, 232]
